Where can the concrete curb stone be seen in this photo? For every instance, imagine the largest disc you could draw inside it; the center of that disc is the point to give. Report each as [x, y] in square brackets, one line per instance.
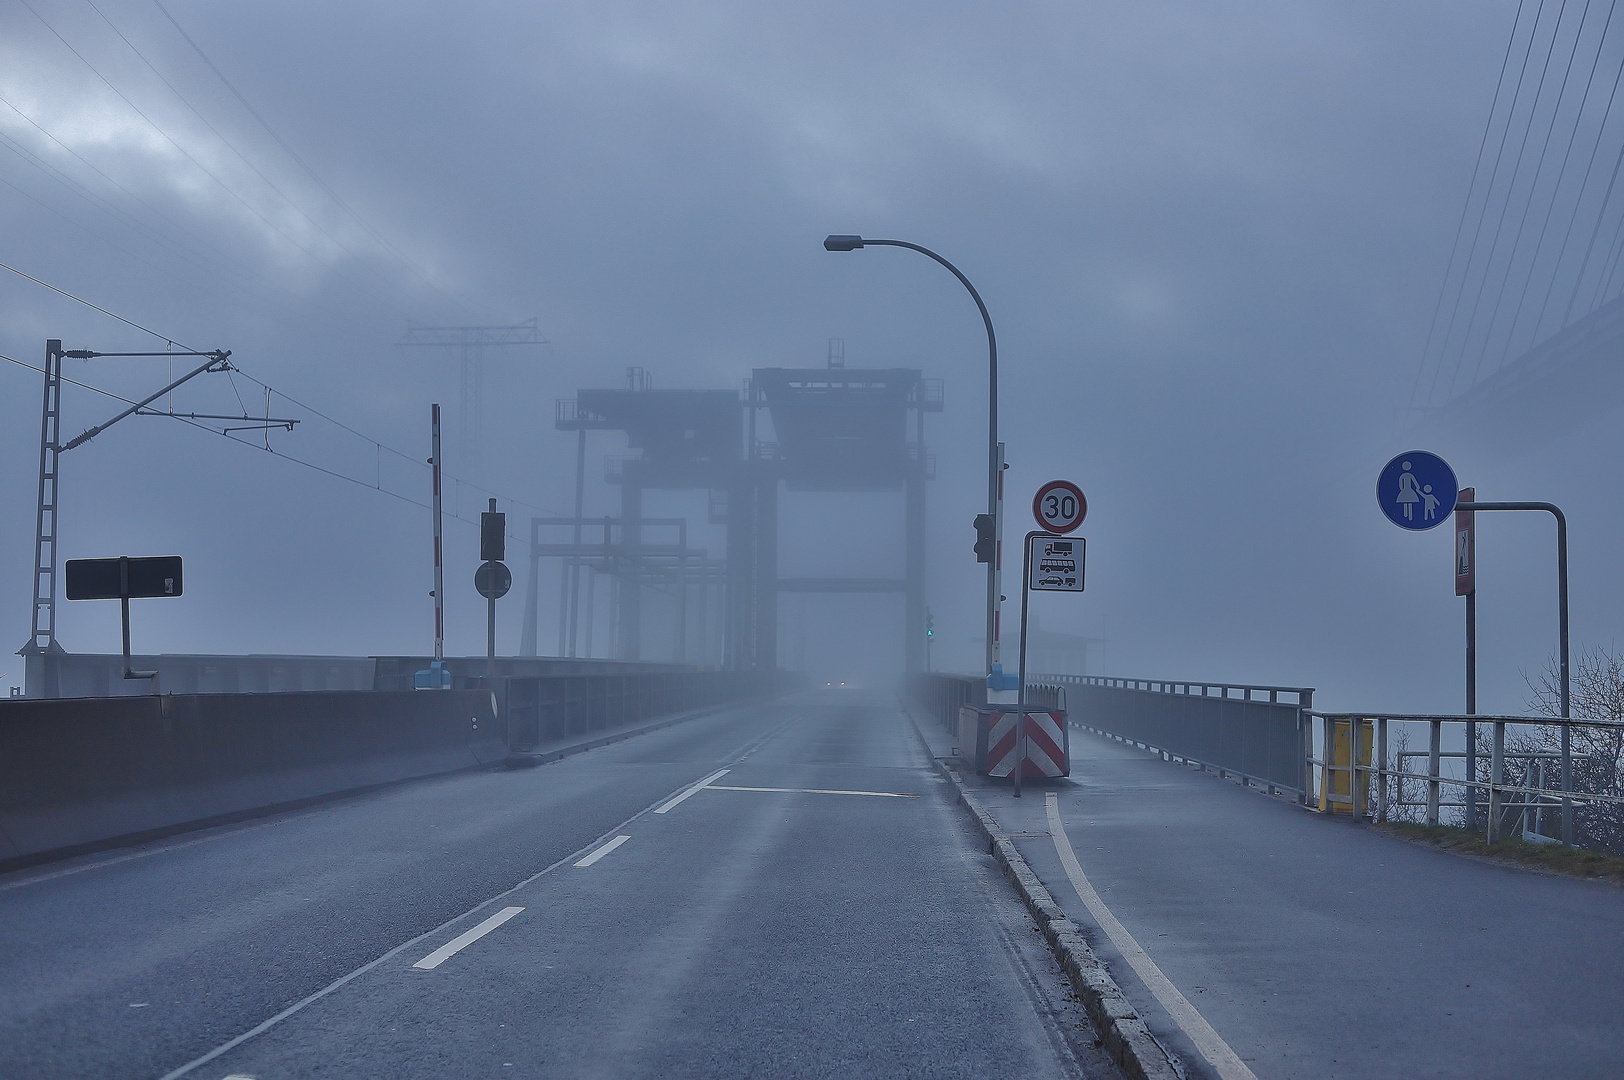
[1120, 1027]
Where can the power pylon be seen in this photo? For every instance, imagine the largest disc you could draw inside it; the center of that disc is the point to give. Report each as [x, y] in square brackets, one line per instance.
[471, 343]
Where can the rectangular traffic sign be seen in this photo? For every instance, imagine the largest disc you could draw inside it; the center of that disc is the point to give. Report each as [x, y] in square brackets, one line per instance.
[1465, 546]
[1055, 563]
[102, 579]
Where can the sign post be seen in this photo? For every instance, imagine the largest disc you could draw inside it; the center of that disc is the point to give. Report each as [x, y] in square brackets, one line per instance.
[121, 579]
[1050, 563]
[493, 579]
[1415, 490]
[1466, 585]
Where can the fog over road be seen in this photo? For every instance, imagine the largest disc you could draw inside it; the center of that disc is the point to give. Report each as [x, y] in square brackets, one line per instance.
[804, 929]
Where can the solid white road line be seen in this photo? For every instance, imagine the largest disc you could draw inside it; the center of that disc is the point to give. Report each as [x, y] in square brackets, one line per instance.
[694, 790]
[465, 939]
[1212, 1046]
[601, 852]
[813, 791]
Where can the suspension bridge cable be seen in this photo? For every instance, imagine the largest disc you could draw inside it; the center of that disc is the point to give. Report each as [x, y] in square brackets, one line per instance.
[1601, 215]
[1561, 174]
[1505, 207]
[1488, 196]
[1584, 185]
[1460, 226]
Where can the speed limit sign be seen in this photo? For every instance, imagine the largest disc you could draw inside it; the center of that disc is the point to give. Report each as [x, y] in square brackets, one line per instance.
[1059, 506]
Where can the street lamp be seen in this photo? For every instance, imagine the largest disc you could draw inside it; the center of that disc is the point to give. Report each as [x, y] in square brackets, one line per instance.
[995, 502]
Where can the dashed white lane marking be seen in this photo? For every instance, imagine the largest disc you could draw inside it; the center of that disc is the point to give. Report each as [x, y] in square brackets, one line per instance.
[344, 980]
[693, 790]
[813, 791]
[1212, 1046]
[601, 852]
[465, 939]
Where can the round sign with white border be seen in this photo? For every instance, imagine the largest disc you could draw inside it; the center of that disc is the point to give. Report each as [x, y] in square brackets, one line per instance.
[1059, 506]
[1417, 490]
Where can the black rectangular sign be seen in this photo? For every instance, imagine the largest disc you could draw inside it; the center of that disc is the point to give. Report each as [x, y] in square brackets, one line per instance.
[492, 536]
[101, 579]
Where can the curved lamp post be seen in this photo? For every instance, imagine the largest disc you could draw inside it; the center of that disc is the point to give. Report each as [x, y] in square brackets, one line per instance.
[838, 242]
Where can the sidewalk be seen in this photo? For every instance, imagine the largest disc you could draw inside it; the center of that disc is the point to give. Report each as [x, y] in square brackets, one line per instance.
[1313, 946]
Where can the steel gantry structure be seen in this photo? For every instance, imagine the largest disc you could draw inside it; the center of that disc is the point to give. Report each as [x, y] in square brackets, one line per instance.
[834, 429]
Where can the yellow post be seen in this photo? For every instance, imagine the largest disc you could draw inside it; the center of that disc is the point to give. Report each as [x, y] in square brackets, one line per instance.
[1336, 786]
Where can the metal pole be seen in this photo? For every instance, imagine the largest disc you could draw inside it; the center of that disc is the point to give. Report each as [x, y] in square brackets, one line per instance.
[1434, 749]
[1567, 731]
[1562, 618]
[575, 563]
[439, 569]
[994, 455]
[1381, 769]
[124, 609]
[1471, 707]
[1020, 683]
[1497, 754]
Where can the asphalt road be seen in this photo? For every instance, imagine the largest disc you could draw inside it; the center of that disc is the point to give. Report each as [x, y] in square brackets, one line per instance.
[1317, 948]
[808, 931]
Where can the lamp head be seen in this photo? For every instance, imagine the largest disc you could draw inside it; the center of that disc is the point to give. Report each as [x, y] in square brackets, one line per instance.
[837, 242]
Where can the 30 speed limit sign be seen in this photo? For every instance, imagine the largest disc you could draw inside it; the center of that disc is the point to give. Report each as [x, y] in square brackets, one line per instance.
[1059, 506]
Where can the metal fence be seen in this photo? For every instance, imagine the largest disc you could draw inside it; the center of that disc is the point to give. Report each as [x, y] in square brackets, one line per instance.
[1506, 775]
[1255, 734]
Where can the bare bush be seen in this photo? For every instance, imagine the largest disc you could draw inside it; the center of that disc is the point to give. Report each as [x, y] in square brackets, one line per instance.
[1597, 693]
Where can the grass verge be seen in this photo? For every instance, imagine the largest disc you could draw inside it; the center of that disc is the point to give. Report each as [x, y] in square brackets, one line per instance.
[1515, 851]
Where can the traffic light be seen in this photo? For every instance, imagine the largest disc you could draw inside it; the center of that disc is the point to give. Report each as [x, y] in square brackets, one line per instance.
[492, 535]
[930, 624]
[986, 545]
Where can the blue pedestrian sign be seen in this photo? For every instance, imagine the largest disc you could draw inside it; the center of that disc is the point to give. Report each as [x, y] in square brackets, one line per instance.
[1417, 490]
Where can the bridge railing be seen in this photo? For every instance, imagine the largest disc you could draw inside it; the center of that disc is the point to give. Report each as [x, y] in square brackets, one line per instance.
[1255, 734]
[1544, 778]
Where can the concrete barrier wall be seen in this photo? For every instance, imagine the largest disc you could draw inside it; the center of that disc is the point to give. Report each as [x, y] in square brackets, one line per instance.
[940, 695]
[76, 773]
[102, 674]
[551, 707]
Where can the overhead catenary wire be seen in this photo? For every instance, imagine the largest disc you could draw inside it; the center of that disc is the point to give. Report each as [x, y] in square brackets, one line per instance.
[198, 249]
[378, 445]
[294, 206]
[189, 156]
[377, 236]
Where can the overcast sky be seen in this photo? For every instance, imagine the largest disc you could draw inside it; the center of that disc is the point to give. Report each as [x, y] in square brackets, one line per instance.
[1211, 237]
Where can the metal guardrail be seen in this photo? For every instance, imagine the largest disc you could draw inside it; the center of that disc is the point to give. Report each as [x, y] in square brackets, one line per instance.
[1509, 771]
[1256, 734]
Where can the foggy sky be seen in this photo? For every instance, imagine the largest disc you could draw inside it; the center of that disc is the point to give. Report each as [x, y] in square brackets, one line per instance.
[1210, 236]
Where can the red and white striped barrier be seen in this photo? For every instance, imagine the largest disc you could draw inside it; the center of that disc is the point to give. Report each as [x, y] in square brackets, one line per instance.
[1048, 748]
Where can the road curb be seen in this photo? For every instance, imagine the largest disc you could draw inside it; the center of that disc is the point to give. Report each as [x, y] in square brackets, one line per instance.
[1120, 1027]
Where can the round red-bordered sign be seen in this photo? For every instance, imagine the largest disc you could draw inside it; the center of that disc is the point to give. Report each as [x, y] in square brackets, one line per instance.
[1059, 506]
